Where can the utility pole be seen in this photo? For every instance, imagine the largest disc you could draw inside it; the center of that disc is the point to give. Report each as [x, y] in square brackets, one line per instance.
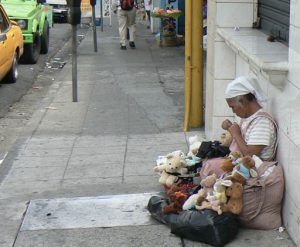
[193, 113]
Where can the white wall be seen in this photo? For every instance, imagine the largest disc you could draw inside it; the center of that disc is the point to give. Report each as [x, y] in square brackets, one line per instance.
[224, 64]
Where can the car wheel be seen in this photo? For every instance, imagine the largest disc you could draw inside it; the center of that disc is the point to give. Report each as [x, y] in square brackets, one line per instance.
[32, 51]
[13, 73]
[45, 39]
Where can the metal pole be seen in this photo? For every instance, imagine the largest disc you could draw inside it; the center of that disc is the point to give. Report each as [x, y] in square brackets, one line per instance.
[101, 14]
[74, 62]
[94, 29]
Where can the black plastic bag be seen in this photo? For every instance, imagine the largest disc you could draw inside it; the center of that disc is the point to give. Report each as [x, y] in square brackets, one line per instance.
[203, 226]
[155, 206]
[211, 149]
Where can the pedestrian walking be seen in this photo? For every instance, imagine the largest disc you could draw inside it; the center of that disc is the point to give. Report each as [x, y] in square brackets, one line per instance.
[148, 4]
[126, 10]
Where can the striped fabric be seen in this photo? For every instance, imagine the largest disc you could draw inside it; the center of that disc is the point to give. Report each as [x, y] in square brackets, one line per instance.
[261, 131]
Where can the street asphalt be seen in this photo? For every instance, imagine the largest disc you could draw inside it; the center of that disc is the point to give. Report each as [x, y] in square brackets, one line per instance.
[81, 172]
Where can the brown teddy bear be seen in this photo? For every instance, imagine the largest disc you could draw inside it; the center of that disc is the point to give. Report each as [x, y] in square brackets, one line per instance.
[177, 200]
[216, 199]
[230, 162]
[243, 170]
[235, 201]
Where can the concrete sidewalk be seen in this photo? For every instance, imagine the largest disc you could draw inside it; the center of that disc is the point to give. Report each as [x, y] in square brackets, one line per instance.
[130, 110]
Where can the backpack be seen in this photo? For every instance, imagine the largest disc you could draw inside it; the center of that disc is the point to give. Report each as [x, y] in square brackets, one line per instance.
[127, 4]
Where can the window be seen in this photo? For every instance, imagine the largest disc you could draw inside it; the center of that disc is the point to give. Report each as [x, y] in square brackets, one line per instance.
[275, 17]
[3, 23]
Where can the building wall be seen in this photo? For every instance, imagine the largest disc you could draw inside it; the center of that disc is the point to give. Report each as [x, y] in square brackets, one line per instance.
[224, 64]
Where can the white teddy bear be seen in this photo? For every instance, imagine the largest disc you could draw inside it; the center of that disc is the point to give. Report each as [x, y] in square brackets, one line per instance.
[174, 165]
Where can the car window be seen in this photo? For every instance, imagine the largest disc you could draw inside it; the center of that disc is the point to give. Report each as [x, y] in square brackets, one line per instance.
[3, 23]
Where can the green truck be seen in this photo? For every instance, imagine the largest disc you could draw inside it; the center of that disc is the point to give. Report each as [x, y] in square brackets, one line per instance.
[35, 20]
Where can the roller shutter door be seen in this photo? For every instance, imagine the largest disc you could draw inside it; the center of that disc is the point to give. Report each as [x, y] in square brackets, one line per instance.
[275, 17]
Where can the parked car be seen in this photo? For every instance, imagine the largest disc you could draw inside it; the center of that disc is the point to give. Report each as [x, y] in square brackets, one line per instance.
[11, 47]
[60, 10]
[35, 20]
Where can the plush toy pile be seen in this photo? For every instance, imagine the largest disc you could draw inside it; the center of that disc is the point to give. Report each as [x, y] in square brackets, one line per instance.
[211, 210]
[218, 194]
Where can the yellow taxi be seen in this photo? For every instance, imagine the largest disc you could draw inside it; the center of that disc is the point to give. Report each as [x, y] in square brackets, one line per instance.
[11, 48]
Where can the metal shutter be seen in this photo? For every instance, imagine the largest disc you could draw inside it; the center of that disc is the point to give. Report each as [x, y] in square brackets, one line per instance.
[275, 17]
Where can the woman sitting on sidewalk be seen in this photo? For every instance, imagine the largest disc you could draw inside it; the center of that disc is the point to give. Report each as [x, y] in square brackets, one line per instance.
[257, 132]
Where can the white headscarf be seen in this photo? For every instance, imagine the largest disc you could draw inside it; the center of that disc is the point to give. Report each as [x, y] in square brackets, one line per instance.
[244, 85]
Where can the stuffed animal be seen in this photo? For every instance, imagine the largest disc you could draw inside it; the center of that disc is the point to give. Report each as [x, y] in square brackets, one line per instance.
[220, 188]
[215, 205]
[207, 188]
[216, 199]
[234, 156]
[194, 144]
[235, 201]
[177, 200]
[169, 171]
[243, 170]
[226, 139]
[230, 162]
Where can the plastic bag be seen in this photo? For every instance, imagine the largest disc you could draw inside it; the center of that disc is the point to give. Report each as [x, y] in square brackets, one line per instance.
[211, 149]
[203, 226]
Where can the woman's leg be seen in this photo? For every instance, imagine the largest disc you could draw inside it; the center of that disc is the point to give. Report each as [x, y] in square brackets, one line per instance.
[212, 166]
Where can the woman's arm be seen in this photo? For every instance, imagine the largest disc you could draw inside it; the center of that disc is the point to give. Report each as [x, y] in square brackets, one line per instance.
[235, 131]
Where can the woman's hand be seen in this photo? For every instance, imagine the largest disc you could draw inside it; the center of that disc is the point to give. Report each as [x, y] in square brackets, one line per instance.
[226, 124]
[235, 130]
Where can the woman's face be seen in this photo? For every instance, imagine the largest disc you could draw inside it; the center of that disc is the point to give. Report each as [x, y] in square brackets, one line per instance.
[237, 108]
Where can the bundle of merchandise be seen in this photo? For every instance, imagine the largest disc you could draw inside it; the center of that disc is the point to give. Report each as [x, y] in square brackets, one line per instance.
[166, 13]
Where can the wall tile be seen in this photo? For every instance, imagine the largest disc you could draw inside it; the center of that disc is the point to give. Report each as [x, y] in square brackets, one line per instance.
[242, 67]
[294, 182]
[225, 62]
[291, 218]
[281, 105]
[220, 105]
[294, 39]
[294, 56]
[209, 104]
[294, 13]
[294, 67]
[211, 12]
[283, 151]
[217, 130]
[234, 14]
[210, 54]
[288, 112]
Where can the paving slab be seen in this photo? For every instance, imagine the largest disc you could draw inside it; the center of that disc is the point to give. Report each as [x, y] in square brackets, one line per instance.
[129, 236]
[88, 212]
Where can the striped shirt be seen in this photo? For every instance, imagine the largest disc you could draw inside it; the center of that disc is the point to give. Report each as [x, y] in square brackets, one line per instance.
[261, 131]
